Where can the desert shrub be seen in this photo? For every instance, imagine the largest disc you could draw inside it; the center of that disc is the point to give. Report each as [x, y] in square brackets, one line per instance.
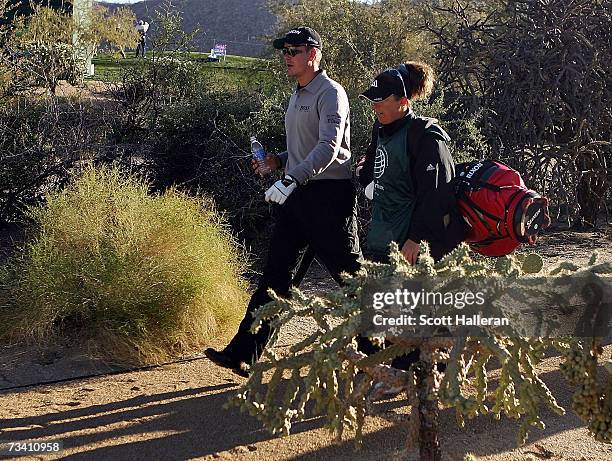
[538, 72]
[140, 277]
[203, 144]
[325, 374]
[166, 77]
[44, 65]
[51, 44]
[148, 89]
[41, 140]
[40, 52]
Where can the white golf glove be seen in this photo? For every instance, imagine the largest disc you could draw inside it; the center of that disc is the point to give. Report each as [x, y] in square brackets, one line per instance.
[369, 191]
[281, 189]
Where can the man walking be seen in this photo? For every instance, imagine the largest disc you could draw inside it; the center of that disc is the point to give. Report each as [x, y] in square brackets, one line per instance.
[142, 29]
[316, 198]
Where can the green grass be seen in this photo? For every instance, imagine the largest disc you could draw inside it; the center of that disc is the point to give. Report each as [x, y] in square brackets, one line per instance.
[139, 277]
[235, 71]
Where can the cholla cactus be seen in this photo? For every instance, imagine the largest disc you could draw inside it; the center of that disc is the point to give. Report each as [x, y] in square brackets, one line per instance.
[327, 369]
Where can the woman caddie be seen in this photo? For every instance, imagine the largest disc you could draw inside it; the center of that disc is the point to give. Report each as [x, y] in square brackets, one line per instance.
[412, 193]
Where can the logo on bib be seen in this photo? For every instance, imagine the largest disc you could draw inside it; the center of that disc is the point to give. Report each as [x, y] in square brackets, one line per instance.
[380, 162]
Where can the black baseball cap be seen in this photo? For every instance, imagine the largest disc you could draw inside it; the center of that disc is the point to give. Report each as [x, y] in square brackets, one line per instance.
[384, 85]
[299, 36]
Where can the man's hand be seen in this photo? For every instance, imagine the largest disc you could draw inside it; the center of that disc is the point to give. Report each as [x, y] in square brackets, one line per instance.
[281, 189]
[271, 163]
[410, 250]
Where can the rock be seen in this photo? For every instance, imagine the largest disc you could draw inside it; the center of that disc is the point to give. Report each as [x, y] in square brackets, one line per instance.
[72, 404]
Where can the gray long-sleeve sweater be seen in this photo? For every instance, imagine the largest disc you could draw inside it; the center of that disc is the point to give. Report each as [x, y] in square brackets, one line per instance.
[318, 132]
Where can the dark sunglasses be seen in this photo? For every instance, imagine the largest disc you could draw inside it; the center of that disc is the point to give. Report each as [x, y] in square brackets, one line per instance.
[292, 51]
[397, 73]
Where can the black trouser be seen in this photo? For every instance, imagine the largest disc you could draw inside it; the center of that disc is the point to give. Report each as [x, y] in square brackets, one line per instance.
[321, 215]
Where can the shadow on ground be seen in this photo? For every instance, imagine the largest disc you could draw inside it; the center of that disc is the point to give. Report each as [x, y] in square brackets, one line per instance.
[193, 423]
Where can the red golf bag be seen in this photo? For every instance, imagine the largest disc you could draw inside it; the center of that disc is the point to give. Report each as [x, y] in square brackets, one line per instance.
[500, 211]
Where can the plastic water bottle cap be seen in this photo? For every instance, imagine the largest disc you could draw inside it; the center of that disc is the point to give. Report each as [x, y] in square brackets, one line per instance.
[253, 138]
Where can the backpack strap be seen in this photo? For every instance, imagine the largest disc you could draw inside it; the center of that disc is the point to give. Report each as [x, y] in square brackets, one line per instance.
[419, 126]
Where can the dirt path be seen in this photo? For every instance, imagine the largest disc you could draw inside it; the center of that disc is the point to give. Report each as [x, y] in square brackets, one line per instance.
[175, 412]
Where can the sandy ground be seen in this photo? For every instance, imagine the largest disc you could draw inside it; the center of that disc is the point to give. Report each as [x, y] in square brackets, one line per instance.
[176, 411]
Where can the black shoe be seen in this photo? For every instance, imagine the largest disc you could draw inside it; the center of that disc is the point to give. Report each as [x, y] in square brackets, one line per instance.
[226, 361]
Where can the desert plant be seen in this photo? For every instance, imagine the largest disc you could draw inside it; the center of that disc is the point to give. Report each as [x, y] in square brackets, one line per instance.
[115, 29]
[40, 142]
[39, 51]
[517, 62]
[203, 144]
[140, 277]
[50, 45]
[44, 65]
[326, 369]
[119, 31]
[166, 77]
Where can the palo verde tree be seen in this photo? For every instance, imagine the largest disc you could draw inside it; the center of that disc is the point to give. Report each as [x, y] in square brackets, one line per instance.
[112, 28]
[39, 52]
[326, 368]
[118, 29]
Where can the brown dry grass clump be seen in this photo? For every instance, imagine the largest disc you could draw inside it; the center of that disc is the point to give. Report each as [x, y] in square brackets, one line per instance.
[140, 277]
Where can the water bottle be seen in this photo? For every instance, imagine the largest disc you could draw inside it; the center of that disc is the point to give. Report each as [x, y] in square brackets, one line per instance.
[259, 154]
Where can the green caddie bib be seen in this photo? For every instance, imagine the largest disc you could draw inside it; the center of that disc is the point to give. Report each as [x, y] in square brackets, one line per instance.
[394, 195]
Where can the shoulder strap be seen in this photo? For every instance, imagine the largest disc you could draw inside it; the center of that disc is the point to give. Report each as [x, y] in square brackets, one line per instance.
[415, 133]
[419, 126]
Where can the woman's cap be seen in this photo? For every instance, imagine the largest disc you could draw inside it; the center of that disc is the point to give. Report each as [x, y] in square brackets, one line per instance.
[384, 85]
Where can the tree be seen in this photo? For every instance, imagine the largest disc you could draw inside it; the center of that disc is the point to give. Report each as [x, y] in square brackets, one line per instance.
[538, 71]
[113, 28]
[39, 52]
[326, 368]
[119, 30]
[40, 47]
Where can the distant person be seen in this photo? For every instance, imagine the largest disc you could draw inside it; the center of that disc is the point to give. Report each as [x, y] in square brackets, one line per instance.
[212, 57]
[142, 29]
[316, 199]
